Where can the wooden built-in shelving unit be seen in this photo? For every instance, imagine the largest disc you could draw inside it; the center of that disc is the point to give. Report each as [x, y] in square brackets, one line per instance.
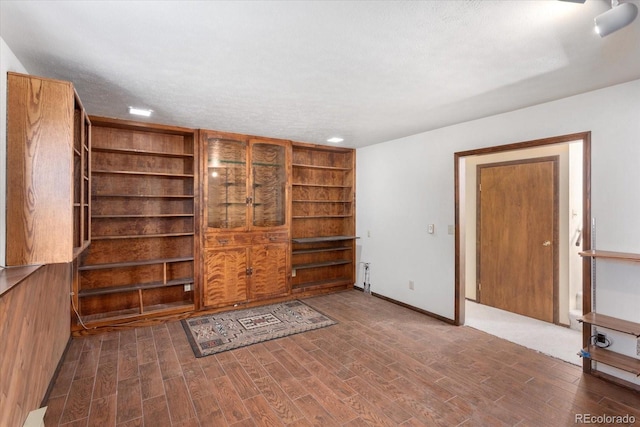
[141, 260]
[245, 218]
[323, 217]
[82, 178]
[160, 221]
[48, 132]
[602, 355]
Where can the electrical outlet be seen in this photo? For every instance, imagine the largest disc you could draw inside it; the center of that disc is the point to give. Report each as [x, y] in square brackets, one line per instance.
[411, 284]
[451, 229]
[431, 228]
[293, 273]
[601, 338]
[187, 287]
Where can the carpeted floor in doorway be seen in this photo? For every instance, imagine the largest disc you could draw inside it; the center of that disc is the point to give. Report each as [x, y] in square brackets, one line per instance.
[220, 332]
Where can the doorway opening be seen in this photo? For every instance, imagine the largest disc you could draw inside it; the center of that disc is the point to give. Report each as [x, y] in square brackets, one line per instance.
[574, 289]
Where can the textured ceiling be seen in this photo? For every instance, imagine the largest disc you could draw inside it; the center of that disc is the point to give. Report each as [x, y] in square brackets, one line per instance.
[306, 71]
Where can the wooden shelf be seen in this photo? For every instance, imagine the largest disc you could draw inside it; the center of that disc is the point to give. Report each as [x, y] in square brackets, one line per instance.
[302, 184]
[105, 266]
[322, 201]
[322, 264]
[140, 236]
[611, 255]
[142, 216]
[107, 318]
[316, 250]
[611, 323]
[299, 165]
[141, 152]
[138, 173]
[318, 284]
[134, 287]
[147, 196]
[322, 239]
[617, 360]
[320, 216]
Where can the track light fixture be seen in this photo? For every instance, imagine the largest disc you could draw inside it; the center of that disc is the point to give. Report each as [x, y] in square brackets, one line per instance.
[620, 15]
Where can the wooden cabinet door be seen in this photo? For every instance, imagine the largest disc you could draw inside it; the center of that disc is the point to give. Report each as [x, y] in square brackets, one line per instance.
[269, 270]
[226, 183]
[269, 184]
[39, 211]
[225, 276]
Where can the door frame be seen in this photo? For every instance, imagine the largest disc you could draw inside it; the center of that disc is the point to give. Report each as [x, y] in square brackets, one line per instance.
[459, 191]
[555, 226]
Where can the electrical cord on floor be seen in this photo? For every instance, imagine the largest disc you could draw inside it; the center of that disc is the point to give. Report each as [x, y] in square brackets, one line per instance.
[75, 310]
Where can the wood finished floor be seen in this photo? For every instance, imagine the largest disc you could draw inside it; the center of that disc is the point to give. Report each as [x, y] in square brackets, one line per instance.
[381, 365]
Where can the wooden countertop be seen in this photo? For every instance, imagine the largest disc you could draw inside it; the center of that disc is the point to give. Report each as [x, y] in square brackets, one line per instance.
[11, 276]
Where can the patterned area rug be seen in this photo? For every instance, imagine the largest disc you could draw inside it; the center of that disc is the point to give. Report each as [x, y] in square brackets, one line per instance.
[220, 332]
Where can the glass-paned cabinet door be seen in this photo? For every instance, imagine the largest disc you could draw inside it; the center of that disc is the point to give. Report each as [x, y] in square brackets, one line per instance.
[227, 183]
[269, 178]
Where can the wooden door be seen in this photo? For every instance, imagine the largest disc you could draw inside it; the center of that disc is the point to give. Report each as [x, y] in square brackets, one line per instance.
[517, 237]
[269, 270]
[225, 277]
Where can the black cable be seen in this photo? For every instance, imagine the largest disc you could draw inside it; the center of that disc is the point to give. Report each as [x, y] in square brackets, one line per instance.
[596, 343]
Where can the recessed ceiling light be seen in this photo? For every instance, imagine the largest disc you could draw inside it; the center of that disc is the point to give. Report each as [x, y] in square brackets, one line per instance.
[335, 139]
[140, 112]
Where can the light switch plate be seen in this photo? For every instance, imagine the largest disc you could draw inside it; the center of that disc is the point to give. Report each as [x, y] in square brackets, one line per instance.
[431, 228]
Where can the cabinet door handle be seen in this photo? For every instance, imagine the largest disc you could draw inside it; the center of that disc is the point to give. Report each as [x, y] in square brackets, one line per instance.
[547, 243]
[249, 271]
[223, 241]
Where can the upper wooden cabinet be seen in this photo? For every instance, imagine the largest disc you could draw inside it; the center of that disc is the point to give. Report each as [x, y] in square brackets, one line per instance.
[48, 172]
[245, 218]
[246, 182]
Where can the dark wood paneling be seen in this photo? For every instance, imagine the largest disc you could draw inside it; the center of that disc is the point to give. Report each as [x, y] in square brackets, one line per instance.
[34, 330]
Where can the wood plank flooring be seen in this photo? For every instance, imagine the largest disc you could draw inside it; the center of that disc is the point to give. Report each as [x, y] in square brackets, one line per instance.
[381, 365]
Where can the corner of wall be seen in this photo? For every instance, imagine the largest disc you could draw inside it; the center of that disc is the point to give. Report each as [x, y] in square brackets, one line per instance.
[8, 62]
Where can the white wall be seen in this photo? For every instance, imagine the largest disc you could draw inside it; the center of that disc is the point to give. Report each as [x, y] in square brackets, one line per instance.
[576, 228]
[8, 62]
[405, 184]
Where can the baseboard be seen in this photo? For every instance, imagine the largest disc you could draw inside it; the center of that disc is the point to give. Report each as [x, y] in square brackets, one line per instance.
[410, 307]
[54, 377]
